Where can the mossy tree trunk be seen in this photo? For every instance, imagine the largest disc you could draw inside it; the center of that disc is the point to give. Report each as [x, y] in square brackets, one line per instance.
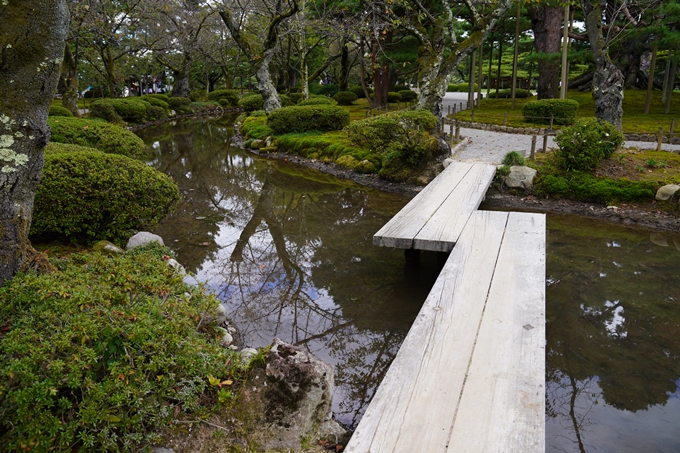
[69, 77]
[546, 23]
[32, 41]
[435, 34]
[261, 60]
[607, 79]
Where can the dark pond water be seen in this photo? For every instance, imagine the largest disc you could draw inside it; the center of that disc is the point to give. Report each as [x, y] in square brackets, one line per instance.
[289, 251]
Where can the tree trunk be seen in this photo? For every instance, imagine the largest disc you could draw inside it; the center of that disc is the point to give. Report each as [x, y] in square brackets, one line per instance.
[32, 40]
[344, 68]
[607, 79]
[69, 77]
[264, 81]
[546, 22]
[181, 86]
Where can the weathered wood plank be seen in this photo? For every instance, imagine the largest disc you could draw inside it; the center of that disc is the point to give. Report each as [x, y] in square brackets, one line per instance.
[414, 407]
[502, 408]
[403, 227]
[442, 230]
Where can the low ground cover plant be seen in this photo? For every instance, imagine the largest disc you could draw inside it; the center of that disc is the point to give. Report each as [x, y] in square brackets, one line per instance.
[99, 134]
[98, 355]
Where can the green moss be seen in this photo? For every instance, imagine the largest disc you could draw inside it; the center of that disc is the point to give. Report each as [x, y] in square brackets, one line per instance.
[104, 136]
[347, 161]
[308, 118]
[586, 187]
[56, 110]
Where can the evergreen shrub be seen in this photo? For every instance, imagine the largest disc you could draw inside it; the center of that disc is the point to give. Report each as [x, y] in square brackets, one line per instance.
[176, 103]
[460, 87]
[198, 95]
[106, 112]
[308, 118]
[359, 91]
[54, 147]
[58, 110]
[317, 100]
[131, 110]
[97, 356]
[92, 195]
[393, 97]
[563, 111]
[255, 127]
[345, 97]
[251, 102]
[408, 95]
[327, 90]
[397, 88]
[104, 136]
[156, 100]
[583, 145]
[295, 98]
[507, 94]
[231, 97]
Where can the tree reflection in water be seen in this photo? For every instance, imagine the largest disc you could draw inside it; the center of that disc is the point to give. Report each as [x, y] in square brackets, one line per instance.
[290, 253]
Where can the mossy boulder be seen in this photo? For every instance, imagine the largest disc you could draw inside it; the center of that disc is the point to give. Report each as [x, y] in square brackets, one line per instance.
[104, 136]
[90, 195]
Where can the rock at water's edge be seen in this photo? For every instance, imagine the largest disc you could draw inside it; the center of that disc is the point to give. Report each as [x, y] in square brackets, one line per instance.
[520, 177]
[667, 192]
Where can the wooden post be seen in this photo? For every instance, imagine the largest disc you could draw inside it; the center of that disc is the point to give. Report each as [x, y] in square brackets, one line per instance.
[659, 139]
[565, 47]
[545, 139]
[461, 106]
[451, 135]
[533, 148]
[480, 74]
[505, 119]
[552, 119]
[472, 114]
[454, 109]
[457, 130]
[448, 109]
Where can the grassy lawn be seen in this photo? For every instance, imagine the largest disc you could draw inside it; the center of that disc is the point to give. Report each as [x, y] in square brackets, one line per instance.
[634, 120]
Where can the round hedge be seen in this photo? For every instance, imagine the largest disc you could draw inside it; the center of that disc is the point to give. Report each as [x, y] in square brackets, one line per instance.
[91, 195]
[104, 136]
[176, 103]
[345, 97]
[408, 95]
[156, 101]
[231, 97]
[393, 97]
[133, 110]
[308, 118]
[58, 110]
[563, 111]
[251, 102]
[583, 145]
[317, 100]
[53, 147]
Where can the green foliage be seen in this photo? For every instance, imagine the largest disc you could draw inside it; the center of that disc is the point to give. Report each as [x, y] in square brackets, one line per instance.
[317, 100]
[285, 100]
[198, 95]
[460, 87]
[251, 102]
[398, 88]
[359, 91]
[327, 90]
[92, 195]
[176, 103]
[99, 355]
[58, 110]
[131, 110]
[104, 136]
[230, 96]
[295, 98]
[345, 97]
[54, 147]
[539, 112]
[513, 158]
[503, 170]
[401, 138]
[157, 113]
[408, 95]
[157, 101]
[586, 187]
[583, 145]
[308, 118]
[393, 97]
[255, 127]
[520, 93]
[106, 112]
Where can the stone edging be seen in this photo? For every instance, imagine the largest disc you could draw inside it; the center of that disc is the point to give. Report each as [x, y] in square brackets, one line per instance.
[544, 130]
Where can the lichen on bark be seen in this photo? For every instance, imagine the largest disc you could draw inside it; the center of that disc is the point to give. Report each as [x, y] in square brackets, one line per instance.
[32, 41]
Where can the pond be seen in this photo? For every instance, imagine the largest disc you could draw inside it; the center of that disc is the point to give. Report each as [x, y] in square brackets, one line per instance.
[289, 252]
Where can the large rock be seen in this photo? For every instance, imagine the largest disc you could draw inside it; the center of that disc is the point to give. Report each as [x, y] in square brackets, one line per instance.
[520, 177]
[299, 396]
[143, 238]
[667, 192]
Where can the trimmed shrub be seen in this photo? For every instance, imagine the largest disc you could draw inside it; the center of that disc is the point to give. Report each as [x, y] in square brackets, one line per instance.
[230, 96]
[586, 187]
[402, 138]
[58, 110]
[583, 145]
[563, 111]
[105, 111]
[460, 87]
[176, 103]
[308, 118]
[104, 352]
[507, 94]
[398, 88]
[251, 102]
[285, 100]
[408, 95]
[327, 90]
[317, 100]
[393, 97]
[157, 113]
[295, 97]
[131, 110]
[198, 95]
[54, 147]
[163, 97]
[255, 127]
[359, 91]
[513, 158]
[156, 101]
[104, 136]
[92, 195]
[345, 97]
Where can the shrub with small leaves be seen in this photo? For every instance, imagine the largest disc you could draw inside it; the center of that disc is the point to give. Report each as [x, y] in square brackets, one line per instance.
[345, 97]
[359, 91]
[176, 103]
[513, 158]
[58, 110]
[91, 195]
[255, 127]
[308, 118]
[251, 102]
[317, 100]
[97, 356]
[408, 95]
[132, 110]
[231, 97]
[99, 134]
[393, 97]
[562, 111]
[106, 112]
[583, 145]
[157, 100]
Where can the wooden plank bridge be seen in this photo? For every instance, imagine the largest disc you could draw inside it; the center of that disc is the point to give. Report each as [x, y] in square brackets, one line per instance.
[470, 375]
